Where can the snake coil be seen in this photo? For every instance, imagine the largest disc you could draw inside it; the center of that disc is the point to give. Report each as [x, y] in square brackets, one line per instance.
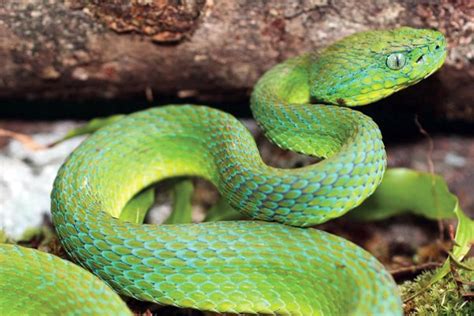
[259, 266]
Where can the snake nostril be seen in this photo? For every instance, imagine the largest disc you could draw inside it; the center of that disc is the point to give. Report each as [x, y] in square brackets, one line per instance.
[437, 47]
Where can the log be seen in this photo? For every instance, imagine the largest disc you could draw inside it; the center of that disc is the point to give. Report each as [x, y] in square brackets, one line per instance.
[211, 51]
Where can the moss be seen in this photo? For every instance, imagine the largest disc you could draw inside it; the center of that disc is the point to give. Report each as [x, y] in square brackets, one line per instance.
[447, 297]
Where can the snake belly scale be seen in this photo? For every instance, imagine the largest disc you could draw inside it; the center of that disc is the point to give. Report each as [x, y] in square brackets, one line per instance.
[272, 264]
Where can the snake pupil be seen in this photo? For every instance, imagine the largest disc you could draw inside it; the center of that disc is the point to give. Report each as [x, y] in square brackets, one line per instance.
[396, 61]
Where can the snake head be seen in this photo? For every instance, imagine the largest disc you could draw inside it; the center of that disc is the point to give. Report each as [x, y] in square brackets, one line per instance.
[368, 66]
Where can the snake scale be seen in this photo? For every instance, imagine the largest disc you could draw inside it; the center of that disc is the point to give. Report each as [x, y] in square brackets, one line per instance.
[269, 265]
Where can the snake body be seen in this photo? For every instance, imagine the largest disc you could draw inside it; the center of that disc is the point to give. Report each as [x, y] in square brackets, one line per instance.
[258, 266]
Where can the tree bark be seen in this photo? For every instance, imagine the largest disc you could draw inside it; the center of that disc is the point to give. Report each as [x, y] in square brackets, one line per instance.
[212, 51]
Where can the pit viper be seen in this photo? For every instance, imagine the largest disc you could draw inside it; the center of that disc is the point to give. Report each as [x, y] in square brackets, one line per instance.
[272, 264]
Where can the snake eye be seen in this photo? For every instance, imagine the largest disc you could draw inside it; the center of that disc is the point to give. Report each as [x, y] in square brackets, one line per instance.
[396, 61]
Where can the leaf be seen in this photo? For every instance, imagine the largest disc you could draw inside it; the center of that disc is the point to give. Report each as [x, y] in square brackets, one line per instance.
[89, 128]
[404, 190]
[222, 211]
[137, 208]
[182, 202]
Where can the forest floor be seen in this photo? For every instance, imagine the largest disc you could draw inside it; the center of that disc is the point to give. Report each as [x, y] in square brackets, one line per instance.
[406, 245]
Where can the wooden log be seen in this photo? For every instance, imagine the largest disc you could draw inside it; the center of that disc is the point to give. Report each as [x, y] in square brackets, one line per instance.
[212, 51]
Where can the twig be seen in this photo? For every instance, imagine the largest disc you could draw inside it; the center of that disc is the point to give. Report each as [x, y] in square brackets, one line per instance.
[429, 159]
[26, 140]
[414, 268]
[429, 155]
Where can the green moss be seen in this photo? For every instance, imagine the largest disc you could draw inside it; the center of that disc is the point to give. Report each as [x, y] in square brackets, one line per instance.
[446, 297]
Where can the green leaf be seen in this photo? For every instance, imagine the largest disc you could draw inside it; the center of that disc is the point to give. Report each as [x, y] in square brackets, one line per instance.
[463, 242]
[3, 237]
[182, 202]
[222, 211]
[404, 190]
[89, 128]
[137, 208]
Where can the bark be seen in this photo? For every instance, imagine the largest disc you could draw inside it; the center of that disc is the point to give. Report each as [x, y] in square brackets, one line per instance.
[212, 51]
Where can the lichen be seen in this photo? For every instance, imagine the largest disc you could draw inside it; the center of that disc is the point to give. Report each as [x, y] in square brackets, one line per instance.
[162, 21]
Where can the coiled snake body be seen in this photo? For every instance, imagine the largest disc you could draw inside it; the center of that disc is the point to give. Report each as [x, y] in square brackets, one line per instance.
[241, 266]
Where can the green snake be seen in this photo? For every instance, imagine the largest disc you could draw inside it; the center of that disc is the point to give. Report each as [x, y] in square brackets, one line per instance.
[269, 265]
